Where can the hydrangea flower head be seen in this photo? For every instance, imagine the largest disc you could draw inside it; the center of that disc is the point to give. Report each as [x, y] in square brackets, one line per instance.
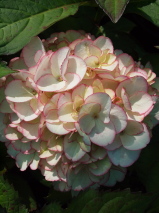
[77, 109]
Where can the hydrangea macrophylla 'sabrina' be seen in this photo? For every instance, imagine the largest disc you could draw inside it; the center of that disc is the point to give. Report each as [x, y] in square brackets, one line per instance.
[77, 109]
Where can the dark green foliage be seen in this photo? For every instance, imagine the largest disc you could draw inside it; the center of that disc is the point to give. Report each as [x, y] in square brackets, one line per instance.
[9, 198]
[113, 8]
[20, 20]
[4, 70]
[108, 202]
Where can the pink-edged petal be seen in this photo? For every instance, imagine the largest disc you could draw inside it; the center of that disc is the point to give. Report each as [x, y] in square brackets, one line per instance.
[94, 179]
[57, 128]
[132, 74]
[125, 99]
[65, 112]
[108, 67]
[52, 116]
[135, 116]
[31, 49]
[103, 167]
[141, 102]
[123, 157]
[35, 162]
[16, 91]
[62, 170]
[55, 144]
[85, 137]
[98, 153]
[54, 159]
[45, 154]
[125, 60]
[92, 61]
[80, 181]
[82, 144]
[76, 65]
[105, 102]
[92, 109]
[83, 91]
[18, 64]
[43, 67]
[17, 144]
[29, 130]
[72, 149]
[12, 134]
[50, 84]
[23, 160]
[63, 98]
[102, 134]
[133, 85]
[118, 118]
[104, 43]
[133, 128]
[72, 80]
[86, 123]
[82, 48]
[25, 111]
[69, 126]
[11, 151]
[115, 145]
[95, 50]
[136, 142]
[105, 75]
[50, 175]
[116, 175]
[57, 59]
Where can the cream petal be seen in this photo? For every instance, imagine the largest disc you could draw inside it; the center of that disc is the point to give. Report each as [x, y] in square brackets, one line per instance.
[16, 91]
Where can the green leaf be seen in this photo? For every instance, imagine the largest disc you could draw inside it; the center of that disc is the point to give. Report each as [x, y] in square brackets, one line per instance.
[22, 19]
[146, 8]
[52, 208]
[78, 203]
[24, 190]
[113, 8]
[113, 205]
[9, 198]
[4, 70]
[93, 205]
[117, 202]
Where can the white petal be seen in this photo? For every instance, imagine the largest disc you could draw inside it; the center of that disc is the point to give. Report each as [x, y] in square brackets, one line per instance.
[49, 84]
[72, 149]
[16, 91]
[23, 160]
[65, 112]
[57, 59]
[103, 167]
[118, 118]
[123, 157]
[31, 49]
[35, 162]
[141, 102]
[29, 130]
[104, 43]
[136, 142]
[54, 159]
[102, 134]
[115, 145]
[57, 128]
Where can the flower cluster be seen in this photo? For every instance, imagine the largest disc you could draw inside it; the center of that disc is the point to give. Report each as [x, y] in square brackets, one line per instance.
[77, 110]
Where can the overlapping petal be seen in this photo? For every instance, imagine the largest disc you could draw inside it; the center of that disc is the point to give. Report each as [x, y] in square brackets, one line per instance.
[77, 110]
